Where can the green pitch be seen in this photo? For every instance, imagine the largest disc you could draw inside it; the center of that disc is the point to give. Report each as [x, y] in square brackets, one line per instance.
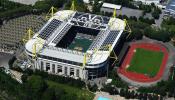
[82, 43]
[146, 62]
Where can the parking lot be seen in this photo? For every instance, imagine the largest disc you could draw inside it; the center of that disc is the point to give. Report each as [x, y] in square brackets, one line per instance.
[4, 58]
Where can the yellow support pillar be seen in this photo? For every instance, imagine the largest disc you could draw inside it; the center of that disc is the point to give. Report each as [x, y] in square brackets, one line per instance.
[110, 48]
[36, 48]
[73, 5]
[28, 36]
[51, 12]
[114, 14]
[34, 51]
[127, 28]
[112, 51]
[84, 60]
[125, 22]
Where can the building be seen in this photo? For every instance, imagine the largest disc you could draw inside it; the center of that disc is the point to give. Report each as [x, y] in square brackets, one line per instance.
[109, 8]
[86, 1]
[148, 2]
[75, 44]
[170, 9]
[27, 2]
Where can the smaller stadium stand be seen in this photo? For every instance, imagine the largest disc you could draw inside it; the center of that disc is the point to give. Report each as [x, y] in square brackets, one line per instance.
[123, 53]
[63, 32]
[90, 21]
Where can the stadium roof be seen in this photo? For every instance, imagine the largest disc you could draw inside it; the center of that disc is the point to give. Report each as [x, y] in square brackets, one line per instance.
[111, 30]
[112, 6]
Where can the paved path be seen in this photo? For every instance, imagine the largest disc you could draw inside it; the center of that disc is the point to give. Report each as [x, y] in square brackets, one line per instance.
[110, 97]
[4, 58]
[159, 21]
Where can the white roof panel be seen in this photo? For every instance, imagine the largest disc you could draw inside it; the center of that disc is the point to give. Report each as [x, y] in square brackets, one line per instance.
[64, 54]
[113, 6]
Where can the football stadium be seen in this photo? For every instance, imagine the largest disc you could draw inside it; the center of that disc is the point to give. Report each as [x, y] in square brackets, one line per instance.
[144, 63]
[75, 44]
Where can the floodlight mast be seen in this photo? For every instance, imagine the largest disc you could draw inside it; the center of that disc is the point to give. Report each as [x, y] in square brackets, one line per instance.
[51, 12]
[36, 48]
[114, 14]
[127, 28]
[28, 36]
[73, 6]
[126, 25]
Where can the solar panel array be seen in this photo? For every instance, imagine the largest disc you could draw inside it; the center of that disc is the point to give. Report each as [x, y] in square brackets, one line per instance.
[99, 40]
[49, 29]
[110, 38]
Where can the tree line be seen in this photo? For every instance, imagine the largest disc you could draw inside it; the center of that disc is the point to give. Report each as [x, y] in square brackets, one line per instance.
[158, 92]
[10, 9]
[34, 87]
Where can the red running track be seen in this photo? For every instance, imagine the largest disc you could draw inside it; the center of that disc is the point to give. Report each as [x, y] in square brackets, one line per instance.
[141, 77]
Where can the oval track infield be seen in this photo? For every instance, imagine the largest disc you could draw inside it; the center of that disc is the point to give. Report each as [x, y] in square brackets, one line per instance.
[137, 75]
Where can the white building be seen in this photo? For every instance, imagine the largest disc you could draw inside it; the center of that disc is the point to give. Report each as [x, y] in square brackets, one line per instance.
[53, 44]
[27, 2]
[148, 2]
[109, 8]
[86, 1]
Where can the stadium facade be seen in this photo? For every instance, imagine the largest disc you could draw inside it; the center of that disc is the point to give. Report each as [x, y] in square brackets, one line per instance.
[75, 44]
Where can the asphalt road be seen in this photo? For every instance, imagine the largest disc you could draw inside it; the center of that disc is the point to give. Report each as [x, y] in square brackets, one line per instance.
[4, 58]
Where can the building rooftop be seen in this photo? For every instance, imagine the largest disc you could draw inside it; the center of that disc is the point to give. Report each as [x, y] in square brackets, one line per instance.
[58, 38]
[171, 6]
[112, 6]
[27, 2]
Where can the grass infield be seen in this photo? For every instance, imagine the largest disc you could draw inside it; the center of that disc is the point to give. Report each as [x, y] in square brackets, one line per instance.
[146, 62]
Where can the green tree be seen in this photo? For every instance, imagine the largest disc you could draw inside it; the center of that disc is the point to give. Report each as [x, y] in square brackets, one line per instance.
[59, 93]
[155, 15]
[49, 94]
[42, 6]
[156, 12]
[35, 87]
[96, 6]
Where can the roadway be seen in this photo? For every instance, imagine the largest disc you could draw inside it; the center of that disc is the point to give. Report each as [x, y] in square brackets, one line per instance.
[4, 58]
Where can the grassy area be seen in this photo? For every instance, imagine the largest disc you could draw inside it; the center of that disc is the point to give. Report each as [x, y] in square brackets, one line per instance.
[82, 43]
[146, 62]
[81, 93]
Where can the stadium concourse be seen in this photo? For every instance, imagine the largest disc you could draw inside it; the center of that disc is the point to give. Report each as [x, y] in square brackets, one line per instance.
[139, 77]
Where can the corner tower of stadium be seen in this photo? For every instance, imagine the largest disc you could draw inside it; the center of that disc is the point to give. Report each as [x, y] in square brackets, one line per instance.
[75, 44]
